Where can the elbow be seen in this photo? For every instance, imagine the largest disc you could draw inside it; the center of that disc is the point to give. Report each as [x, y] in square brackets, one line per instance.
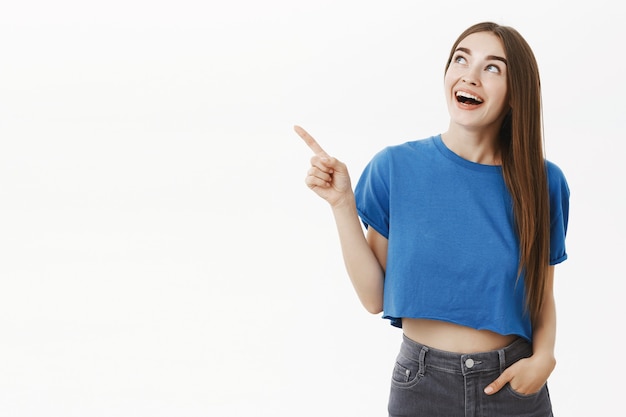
[372, 301]
[373, 307]
[375, 311]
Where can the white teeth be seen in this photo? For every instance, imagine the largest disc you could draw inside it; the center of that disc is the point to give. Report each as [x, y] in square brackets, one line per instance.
[468, 95]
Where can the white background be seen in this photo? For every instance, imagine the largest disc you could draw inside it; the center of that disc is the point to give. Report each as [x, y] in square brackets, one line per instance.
[160, 254]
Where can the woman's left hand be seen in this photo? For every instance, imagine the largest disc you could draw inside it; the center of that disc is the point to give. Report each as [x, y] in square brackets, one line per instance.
[526, 376]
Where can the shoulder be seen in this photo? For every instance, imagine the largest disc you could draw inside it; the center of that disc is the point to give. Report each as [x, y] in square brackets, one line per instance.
[415, 145]
[407, 149]
[556, 178]
[553, 169]
[559, 194]
[398, 160]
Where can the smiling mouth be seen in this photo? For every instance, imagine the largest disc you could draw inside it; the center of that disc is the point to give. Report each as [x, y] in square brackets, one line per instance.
[467, 98]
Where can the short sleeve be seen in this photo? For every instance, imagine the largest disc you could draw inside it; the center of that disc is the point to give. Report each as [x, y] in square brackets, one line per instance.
[559, 213]
[372, 194]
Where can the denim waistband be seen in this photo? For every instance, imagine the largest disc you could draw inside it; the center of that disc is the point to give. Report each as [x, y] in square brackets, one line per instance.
[468, 363]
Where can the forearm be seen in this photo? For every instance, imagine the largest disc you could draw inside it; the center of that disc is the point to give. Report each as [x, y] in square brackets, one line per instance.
[364, 269]
[544, 335]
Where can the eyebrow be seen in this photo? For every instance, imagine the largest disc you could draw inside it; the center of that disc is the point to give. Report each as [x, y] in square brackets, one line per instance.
[489, 57]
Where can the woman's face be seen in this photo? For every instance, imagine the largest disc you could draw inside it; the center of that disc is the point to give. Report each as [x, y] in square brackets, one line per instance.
[476, 82]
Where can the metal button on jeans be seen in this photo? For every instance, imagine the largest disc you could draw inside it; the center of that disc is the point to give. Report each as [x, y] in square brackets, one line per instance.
[469, 363]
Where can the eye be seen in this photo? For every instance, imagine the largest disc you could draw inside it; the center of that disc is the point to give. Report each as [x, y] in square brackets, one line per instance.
[460, 59]
[493, 68]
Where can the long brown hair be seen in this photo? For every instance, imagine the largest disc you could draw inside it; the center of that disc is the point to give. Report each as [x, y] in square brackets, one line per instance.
[523, 164]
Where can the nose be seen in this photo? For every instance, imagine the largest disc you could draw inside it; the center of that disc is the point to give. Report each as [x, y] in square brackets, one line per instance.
[469, 80]
[470, 77]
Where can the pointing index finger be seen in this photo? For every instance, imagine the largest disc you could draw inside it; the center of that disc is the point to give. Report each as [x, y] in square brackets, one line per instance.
[308, 139]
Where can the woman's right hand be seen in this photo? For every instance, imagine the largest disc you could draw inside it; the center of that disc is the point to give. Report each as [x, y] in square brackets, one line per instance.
[328, 177]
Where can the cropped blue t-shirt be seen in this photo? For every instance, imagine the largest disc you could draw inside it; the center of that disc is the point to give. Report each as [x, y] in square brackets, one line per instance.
[453, 252]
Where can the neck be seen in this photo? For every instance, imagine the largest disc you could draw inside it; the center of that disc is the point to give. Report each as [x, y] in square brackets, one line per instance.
[479, 147]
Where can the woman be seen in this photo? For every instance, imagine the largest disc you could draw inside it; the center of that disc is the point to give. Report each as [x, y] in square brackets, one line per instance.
[463, 232]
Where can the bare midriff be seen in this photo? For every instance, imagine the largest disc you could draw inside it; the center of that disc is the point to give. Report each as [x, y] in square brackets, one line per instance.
[453, 337]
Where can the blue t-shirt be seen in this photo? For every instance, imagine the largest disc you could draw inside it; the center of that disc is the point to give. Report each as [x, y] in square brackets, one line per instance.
[453, 252]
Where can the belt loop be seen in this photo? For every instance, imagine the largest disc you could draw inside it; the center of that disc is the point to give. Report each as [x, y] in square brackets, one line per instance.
[422, 365]
[502, 357]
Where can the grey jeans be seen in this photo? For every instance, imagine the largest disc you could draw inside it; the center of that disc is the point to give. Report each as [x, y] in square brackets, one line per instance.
[428, 382]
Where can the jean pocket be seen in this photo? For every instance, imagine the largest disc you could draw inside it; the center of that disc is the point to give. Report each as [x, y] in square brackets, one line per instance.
[405, 371]
[520, 395]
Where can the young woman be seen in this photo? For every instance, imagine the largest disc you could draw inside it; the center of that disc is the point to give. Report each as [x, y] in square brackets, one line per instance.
[463, 232]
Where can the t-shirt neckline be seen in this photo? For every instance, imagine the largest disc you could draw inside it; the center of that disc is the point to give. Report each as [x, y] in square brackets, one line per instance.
[449, 154]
